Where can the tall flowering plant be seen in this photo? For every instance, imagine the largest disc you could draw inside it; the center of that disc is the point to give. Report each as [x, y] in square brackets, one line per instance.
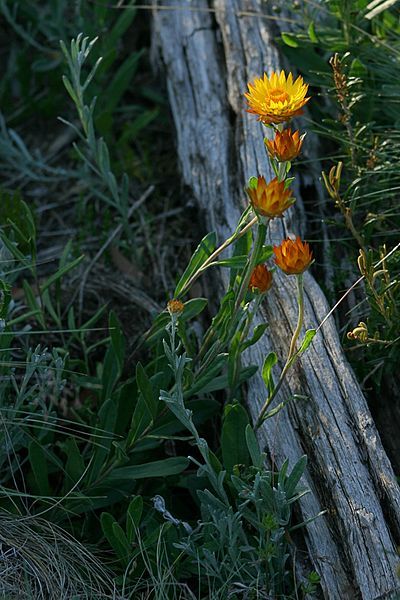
[203, 364]
[275, 100]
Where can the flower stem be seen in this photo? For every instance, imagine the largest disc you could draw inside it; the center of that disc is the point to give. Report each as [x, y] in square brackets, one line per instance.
[249, 319]
[258, 243]
[281, 171]
[300, 318]
[292, 355]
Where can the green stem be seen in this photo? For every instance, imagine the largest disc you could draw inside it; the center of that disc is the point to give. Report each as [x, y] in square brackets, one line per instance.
[245, 333]
[281, 171]
[300, 318]
[258, 244]
[260, 237]
[292, 355]
[251, 316]
[235, 236]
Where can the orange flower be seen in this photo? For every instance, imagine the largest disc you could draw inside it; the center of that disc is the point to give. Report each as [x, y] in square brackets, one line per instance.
[269, 200]
[276, 99]
[175, 307]
[293, 256]
[261, 279]
[285, 146]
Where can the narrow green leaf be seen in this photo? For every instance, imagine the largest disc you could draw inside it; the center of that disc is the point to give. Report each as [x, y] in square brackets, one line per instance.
[133, 517]
[141, 419]
[202, 252]
[12, 247]
[268, 496]
[358, 69]
[125, 399]
[290, 40]
[253, 447]
[117, 340]
[157, 330]
[270, 361]
[234, 363]
[283, 471]
[274, 411]
[124, 547]
[111, 373]
[193, 308]
[146, 389]
[5, 298]
[265, 254]
[202, 409]
[257, 334]
[200, 384]
[241, 247]
[122, 24]
[61, 272]
[289, 181]
[48, 304]
[107, 420]
[214, 462]
[311, 33]
[295, 476]
[252, 183]
[115, 536]
[74, 466]
[234, 262]
[69, 88]
[221, 382]
[308, 338]
[233, 437]
[122, 80]
[134, 127]
[157, 468]
[17, 220]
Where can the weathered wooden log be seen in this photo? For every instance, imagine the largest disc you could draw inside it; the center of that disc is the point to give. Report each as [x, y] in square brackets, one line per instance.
[208, 55]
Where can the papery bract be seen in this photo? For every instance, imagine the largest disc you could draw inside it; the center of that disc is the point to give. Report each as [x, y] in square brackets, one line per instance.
[285, 146]
[261, 279]
[269, 199]
[293, 256]
[276, 98]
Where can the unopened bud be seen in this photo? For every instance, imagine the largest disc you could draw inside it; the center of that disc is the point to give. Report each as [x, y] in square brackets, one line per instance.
[332, 181]
[175, 307]
[362, 262]
[359, 333]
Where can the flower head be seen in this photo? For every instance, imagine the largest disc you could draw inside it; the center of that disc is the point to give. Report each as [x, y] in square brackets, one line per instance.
[261, 279]
[285, 146]
[175, 307]
[277, 98]
[293, 256]
[269, 199]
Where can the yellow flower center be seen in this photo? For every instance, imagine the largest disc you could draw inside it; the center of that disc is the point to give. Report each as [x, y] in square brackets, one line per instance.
[278, 95]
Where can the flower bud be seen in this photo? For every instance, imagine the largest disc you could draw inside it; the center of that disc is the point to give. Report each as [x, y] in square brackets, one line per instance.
[269, 200]
[359, 333]
[175, 307]
[293, 256]
[261, 279]
[285, 146]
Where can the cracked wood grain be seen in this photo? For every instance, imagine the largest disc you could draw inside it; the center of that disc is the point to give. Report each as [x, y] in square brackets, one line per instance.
[207, 59]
